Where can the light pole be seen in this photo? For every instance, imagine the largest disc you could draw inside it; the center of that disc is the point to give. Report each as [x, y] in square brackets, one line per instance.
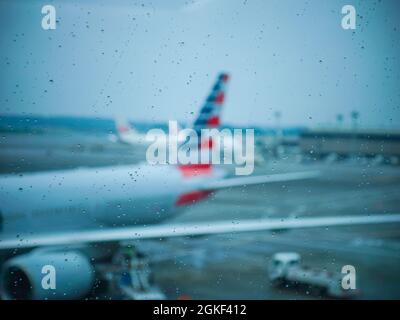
[278, 133]
[339, 120]
[278, 115]
[354, 117]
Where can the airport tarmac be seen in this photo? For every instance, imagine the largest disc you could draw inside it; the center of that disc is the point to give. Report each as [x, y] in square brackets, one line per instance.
[235, 266]
[40, 152]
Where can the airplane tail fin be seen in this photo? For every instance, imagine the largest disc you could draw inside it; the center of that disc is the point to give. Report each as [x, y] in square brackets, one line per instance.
[208, 118]
[123, 127]
[210, 113]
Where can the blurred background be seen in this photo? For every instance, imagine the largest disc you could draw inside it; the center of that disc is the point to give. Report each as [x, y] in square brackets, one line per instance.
[319, 97]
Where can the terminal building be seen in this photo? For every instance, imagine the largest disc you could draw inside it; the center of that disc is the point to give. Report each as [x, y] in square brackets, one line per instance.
[344, 143]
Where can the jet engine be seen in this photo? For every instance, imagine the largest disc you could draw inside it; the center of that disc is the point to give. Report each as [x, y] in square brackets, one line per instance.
[47, 275]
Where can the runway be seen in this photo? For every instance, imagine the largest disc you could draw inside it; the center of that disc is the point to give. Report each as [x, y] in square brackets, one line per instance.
[235, 266]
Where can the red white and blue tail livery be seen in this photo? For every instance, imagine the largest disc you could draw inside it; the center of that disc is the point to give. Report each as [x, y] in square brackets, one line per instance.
[210, 113]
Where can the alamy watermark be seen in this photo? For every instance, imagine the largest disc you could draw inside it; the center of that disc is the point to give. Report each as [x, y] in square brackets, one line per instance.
[204, 148]
[49, 18]
[49, 278]
[349, 278]
[349, 20]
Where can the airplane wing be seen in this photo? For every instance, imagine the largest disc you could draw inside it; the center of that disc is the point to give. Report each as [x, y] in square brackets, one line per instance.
[246, 181]
[192, 229]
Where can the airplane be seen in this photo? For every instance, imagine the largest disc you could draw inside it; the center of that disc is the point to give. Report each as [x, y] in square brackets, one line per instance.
[74, 220]
[126, 134]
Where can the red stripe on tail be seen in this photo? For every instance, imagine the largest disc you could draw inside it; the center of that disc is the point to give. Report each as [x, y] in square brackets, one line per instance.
[213, 122]
[219, 99]
[206, 144]
[123, 129]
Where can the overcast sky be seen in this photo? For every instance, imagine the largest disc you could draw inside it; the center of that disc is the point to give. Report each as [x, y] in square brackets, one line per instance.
[157, 60]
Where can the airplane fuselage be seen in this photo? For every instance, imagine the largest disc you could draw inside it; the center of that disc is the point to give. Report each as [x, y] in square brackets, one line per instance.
[90, 198]
[133, 139]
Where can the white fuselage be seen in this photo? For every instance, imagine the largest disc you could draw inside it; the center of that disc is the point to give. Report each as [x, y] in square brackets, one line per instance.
[133, 138]
[93, 198]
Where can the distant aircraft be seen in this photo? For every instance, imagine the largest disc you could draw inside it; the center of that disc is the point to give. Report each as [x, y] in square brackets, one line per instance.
[209, 115]
[76, 220]
[128, 135]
